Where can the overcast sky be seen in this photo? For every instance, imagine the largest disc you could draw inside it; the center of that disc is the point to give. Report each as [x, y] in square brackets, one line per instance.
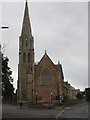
[61, 28]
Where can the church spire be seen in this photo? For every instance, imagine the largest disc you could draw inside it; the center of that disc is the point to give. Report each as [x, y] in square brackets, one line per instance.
[26, 27]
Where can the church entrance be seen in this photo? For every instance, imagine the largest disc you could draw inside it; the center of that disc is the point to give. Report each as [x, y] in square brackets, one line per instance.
[46, 97]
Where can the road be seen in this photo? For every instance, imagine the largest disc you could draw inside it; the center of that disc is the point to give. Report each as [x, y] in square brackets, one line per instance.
[17, 112]
[76, 111]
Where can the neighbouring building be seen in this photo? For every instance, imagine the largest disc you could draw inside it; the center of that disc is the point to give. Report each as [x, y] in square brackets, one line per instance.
[70, 91]
[43, 81]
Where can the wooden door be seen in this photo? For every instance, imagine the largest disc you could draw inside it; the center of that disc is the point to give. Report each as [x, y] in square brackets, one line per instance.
[46, 96]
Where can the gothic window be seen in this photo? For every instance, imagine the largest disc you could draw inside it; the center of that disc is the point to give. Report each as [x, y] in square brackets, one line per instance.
[31, 69]
[26, 42]
[28, 57]
[24, 58]
[22, 43]
[46, 77]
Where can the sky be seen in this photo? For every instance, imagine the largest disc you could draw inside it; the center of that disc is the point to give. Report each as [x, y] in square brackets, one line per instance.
[61, 28]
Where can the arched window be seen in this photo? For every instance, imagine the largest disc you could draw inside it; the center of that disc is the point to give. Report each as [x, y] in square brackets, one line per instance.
[28, 57]
[26, 42]
[24, 58]
[46, 77]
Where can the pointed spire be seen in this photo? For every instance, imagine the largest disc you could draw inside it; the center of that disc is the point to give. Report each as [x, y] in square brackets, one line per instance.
[26, 28]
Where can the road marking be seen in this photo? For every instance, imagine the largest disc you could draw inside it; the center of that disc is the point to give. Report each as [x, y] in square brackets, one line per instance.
[59, 114]
[67, 108]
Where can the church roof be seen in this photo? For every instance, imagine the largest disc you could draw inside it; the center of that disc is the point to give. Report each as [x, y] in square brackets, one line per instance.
[46, 56]
[57, 66]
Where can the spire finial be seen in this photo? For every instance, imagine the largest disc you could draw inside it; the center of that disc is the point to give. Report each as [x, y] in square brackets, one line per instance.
[45, 51]
[58, 62]
[26, 2]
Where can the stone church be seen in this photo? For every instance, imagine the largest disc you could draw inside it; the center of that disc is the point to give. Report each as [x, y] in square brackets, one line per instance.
[43, 81]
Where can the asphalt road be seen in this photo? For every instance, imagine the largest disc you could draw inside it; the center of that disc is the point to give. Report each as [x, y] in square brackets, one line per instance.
[17, 112]
[76, 111]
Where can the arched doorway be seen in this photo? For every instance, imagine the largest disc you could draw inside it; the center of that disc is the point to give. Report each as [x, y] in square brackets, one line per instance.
[46, 96]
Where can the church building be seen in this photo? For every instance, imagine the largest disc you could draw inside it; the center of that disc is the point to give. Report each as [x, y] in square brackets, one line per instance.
[36, 82]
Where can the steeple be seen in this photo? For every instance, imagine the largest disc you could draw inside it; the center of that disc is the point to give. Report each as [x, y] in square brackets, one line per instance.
[26, 27]
[26, 60]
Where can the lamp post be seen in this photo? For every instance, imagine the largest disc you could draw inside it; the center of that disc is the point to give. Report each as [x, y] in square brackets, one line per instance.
[4, 27]
[51, 97]
[36, 98]
[32, 96]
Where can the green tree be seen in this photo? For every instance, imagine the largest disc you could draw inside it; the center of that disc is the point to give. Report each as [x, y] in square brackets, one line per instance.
[7, 80]
[87, 94]
[79, 95]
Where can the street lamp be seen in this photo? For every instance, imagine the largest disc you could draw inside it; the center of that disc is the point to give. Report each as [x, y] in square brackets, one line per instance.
[36, 97]
[51, 97]
[32, 96]
[3, 28]
[6, 27]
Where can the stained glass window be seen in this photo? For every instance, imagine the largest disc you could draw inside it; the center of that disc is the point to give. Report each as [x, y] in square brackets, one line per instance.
[46, 77]
[28, 57]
